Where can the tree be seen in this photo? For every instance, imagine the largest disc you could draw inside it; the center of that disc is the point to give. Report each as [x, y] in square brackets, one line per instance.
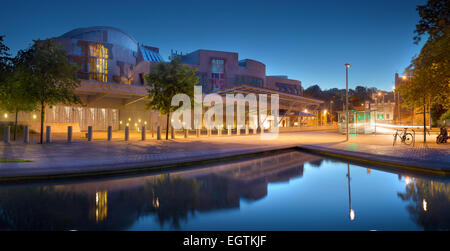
[429, 72]
[4, 59]
[165, 81]
[434, 19]
[313, 92]
[15, 98]
[51, 78]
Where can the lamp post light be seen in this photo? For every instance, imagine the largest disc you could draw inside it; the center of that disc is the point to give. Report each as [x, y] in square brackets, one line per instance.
[346, 95]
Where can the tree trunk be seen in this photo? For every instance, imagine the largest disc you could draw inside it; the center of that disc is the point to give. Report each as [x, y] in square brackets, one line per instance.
[424, 122]
[167, 126]
[15, 125]
[42, 121]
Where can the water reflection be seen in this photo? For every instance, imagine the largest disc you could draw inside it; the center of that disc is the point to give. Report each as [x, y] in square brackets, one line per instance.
[174, 200]
[429, 203]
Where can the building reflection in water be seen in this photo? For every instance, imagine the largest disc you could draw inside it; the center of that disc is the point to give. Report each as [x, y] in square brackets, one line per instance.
[116, 204]
[172, 198]
[101, 205]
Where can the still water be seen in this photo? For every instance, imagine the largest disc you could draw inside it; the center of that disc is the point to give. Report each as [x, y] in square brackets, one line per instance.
[288, 190]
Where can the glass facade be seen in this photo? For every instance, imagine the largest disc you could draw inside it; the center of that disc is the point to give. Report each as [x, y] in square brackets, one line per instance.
[217, 74]
[99, 118]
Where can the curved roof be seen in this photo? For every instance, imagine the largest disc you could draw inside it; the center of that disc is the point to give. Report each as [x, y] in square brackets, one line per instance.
[96, 34]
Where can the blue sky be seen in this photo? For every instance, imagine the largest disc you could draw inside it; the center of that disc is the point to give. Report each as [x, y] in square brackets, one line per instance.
[306, 40]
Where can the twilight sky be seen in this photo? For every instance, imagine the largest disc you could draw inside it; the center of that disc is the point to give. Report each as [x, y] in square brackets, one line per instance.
[304, 39]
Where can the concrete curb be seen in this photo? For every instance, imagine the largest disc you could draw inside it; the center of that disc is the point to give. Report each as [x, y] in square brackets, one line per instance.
[104, 169]
[421, 166]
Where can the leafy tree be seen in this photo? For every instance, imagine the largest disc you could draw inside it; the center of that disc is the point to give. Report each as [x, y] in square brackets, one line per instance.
[429, 81]
[446, 116]
[51, 78]
[15, 98]
[313, 92]
[4, 59]
[434, 19]
[165, 81]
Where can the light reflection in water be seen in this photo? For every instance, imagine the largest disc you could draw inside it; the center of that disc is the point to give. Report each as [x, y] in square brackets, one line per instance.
[282, 191]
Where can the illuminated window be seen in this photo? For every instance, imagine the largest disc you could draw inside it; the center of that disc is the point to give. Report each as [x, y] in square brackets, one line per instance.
[98, 62]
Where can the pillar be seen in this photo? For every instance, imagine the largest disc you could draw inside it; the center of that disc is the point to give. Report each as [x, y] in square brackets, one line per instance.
[26, 135]
[69, 134]
[143, 133]
[48, 134]
[7, 134]
[127, 133]
[89, 133]
[109, 133]
[158, 132]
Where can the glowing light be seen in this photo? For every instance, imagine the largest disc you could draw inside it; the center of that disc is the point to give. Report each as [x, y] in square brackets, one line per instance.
[404, 77]
[306, 110]
[145, 122]
[6, 115]
[325, 112]
[128, 124]
[379, 94]
[407, 180]
[266, 125]
[348, 65]
[393, 87]
[129, 119]
[135, 124]
[139, 120]
[424, 205]
[352, 214]
[120, 122]
[34, 116]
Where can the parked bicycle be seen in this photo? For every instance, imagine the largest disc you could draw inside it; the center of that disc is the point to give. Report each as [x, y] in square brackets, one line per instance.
[405, 137]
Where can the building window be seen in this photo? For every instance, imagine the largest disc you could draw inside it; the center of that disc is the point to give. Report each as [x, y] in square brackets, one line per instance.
[217, 74]
[97, 63]
[249, 80]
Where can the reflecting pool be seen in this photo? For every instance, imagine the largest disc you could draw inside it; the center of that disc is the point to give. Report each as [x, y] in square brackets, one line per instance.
[287, 190]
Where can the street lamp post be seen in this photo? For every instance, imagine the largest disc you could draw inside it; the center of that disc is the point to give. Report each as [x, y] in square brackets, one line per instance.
[346, 95]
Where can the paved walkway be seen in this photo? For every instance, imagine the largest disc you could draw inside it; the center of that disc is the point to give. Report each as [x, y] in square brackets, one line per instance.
[116, 156]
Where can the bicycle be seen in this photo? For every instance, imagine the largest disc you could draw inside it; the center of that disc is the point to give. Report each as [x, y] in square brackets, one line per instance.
[405, 137]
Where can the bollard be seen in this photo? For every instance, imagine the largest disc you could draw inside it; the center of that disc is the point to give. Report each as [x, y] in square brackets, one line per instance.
[143, 133]
[69, 134]
[89, 133]
[229, 131]
[7, 134]
[158, 133]
[109, 133]
[127, 133]
[172, 133]
[26, 135]
[185, 133]
[246, 130]
[48, 134]
[198, 133]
